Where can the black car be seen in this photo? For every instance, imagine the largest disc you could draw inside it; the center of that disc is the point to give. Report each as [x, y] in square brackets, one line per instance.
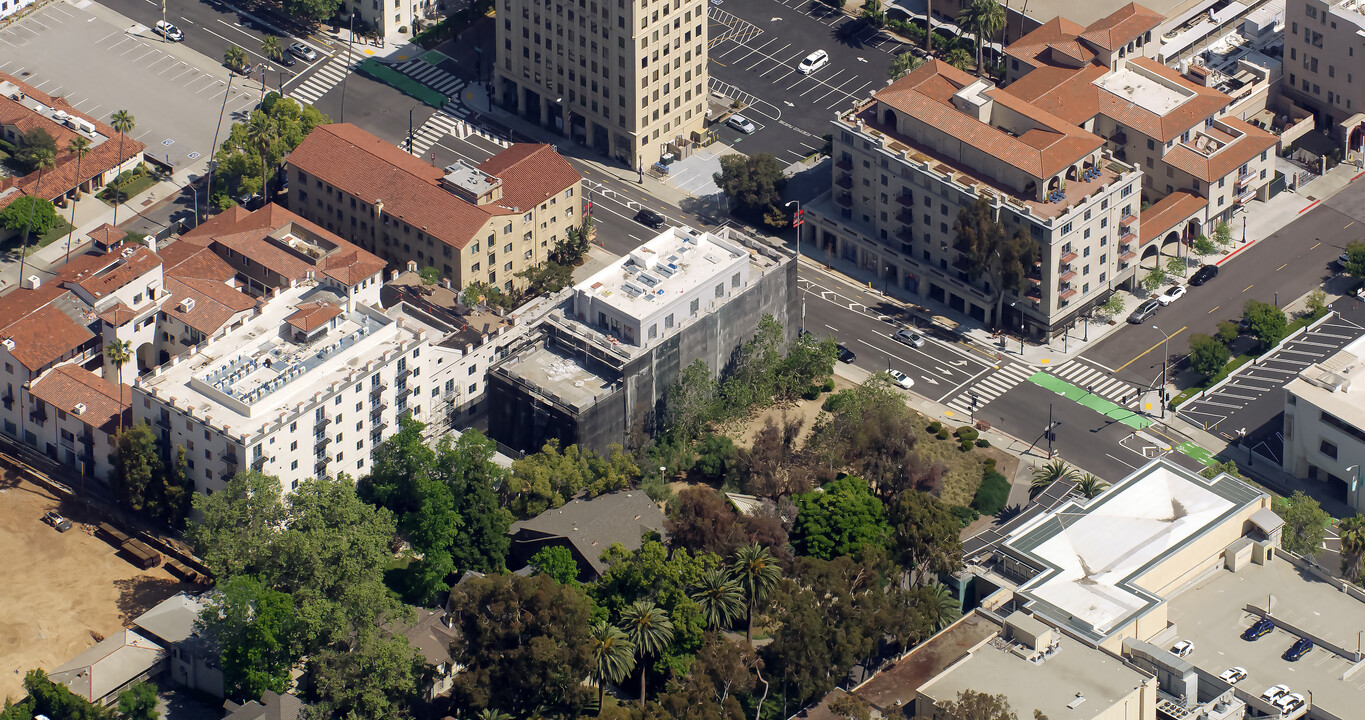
[845, 355]
[285, 60]
[1144, 312]
[649, 218]
[1301, 647]
[1204, 274]
[1262, 628]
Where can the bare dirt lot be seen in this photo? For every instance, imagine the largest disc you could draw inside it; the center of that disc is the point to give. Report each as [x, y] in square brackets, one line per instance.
[60, 589]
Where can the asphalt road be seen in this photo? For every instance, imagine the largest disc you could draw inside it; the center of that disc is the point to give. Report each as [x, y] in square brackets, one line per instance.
[755, 47]
[1284, 266]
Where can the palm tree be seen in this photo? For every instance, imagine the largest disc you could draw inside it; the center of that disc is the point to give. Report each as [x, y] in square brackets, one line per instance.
[1090, 486]
[262, 134]
[928, 26]
[492, 714]
[757, 573]
[123, 123]
[903, 64]
[1050, 473]
[939, 606]
[80, 147]
[984, 18]
[958, 58]
[271, 48]
[43, 158]
[719, 598]
[1352, 532]
[647, 627]
[234, 58]
[119, 352]
[613, 656]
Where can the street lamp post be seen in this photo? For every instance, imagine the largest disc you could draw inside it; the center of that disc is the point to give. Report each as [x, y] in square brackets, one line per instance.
[195, 190]
[796, 223]
[260, 67]
[1165, 360]
[414, 107]
[350, 40]
[1355, 485]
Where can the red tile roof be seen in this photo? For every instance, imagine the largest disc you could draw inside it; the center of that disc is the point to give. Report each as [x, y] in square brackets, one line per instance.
[313, 315]
[43, 336]
[1068, 93]
[1228, 159]
[361, 165]
[66, 386]
[1032, 47]
[62, 177]
[193, 271]
[1204, 103]
[1168, 212]
[1121, 26]
[102, 275]
[1046, 149]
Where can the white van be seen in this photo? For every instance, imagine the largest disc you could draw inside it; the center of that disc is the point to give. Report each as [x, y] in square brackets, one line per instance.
[813, 62]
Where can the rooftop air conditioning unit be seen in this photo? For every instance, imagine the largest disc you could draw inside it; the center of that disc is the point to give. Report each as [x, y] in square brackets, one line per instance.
[186, 305]
[79, 409]
[8, 343]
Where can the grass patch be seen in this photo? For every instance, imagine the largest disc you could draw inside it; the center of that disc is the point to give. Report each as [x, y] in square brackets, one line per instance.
[57, 233]
[965, 469]
[1304, 321]
[1227, 370]
[129, 185]
[400, 82]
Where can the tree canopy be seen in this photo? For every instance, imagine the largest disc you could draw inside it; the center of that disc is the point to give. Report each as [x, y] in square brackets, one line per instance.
[1305, 523]
[258, 634]
[754, 186]
[1267, 322]
[144, 484]
[18, 215]
[239, 158]
[839, 519]
[990, 251]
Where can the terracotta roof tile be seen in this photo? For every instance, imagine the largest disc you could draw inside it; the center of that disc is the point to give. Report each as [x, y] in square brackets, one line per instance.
[1121, 26]
[44, 336]
[310, 316]
[1068, 93]
[1052, 145]
[1204, 103]
[118, 314]
[1226, 160]
[214, 303]
[102, 275]
[530, 174]
[1030, 47]
[66, 386]
[1167, 213]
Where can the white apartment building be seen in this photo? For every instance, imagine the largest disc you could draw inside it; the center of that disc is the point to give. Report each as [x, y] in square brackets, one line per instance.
[10, 7]
[623, 76]
[306, 387]
[1324, 423]
[1321, 38]
[660, 285]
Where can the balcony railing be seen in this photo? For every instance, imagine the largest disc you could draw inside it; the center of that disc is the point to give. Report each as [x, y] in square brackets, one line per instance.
[1034, 293]
[1067, 258]
[844, 163]
[1126, 254]
[1068, 275]
[1128, 238]
[1067, 294]
[1127, 220]
[402, 373]
[905, 199]
[1246, 178]
[1246, 197]
[845, 181]
[258, 463]
[376, 389]
[906, 216]
[322, 422]
[321, 441]
[905, 235]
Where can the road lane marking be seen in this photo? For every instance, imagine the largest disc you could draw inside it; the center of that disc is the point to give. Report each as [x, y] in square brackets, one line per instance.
[1281, 267]
[1248, 288]
[1315, 247]
[1144, 352]
[1349, 224]
[1215, 307]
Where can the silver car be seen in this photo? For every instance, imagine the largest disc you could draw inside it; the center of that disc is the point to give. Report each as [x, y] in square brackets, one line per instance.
[742, 124]
[303, 51]
[909, 337]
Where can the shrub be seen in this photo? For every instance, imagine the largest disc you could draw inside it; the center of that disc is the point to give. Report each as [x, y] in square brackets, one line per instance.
[983, 443]
[989, 465]
[811, 392]
[966, 434]
[966, 446]
[403, 30]
[828, 386]
[934, 427]
[992, 495]
[964, 515]
[943, 433]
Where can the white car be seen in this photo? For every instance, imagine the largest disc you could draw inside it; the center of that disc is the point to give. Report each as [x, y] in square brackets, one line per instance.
[168, 31]
[1182, 648]
[901, 379]
[742, 124]
[1289, 703]
[1233, 675]
[1274, 692]
[813, 62]
[1173, 293]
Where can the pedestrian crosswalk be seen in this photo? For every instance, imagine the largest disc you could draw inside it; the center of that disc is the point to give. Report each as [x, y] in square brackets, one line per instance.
[431, 76]
[326, 77]
[990, 387]
[1098, 382]
[436, 127]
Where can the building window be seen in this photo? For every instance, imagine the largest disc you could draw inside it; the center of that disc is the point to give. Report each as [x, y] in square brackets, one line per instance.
[1328, 449]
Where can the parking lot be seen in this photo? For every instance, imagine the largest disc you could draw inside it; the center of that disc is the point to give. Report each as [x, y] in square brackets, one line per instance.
[1251, 399]
[1212, 615]
[755, 47]
[85, 53]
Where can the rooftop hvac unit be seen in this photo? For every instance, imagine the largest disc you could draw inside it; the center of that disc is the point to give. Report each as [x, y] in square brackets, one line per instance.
[127, 252]
[79, 409]
[8, 343]
[186, 305]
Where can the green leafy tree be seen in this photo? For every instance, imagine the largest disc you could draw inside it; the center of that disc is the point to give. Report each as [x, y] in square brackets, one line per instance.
[985, 19]
[1218, 468]
[258, 634]
[1153, 279]
[557, 562]
[1227, 331]
[650, 630]
[1355, 260]
[1204, 246]
[1048, 473]
[257, 145]
[702, 520]
[1112, 306]
[715, 456]
[524, 644]
[235, 58]
[123, 123]
[1176, 266]
[1222, 234]
[973, 705]
[16, 216]
[1267, 322]
[430, 275]
[31, 146]
[808, 362]
[53, 700]
[311, 11]
[138, 703]
[938, 605]
[373, 675]
[545, 278]
[691, 402]
[873, 13]
[1316, 304]
[237, 526]
[924, 535]
[665, 578]
[839, 519]
[1352, 533]
[753, 184]
[613, 657]
[271, 48]
[1208, 355]
[758, 575]
[989, 252]
[903, 65]
[719, 597]
[1305, 523]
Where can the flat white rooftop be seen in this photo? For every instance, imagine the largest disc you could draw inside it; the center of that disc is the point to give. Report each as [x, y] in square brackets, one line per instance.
[673, 263]
[1144, 90]
[1094, 553]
